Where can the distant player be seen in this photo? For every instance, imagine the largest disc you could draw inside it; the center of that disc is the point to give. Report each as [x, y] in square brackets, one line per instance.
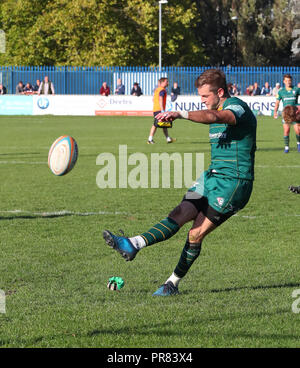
[159, 105]
[292, 113]
[220, 192]
[289, 96]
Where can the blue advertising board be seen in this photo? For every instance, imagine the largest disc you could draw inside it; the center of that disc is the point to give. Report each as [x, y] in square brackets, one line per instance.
[16, 105]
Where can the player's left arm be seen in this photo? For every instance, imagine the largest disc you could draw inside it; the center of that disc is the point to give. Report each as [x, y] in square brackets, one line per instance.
[203, 116]
[161, 100]
[161, 103]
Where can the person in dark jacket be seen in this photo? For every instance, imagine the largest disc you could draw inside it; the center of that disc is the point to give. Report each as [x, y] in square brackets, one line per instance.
[2, 89]
[136, 90]
[175, 91]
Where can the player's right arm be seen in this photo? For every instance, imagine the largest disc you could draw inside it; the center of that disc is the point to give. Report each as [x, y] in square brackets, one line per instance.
[278, 98]
[203, 116]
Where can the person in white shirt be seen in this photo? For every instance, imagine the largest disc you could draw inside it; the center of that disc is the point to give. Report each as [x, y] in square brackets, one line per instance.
[276, 89]
[46, 87]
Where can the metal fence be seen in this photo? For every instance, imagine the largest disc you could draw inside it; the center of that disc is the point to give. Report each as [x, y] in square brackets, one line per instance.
[88, 80]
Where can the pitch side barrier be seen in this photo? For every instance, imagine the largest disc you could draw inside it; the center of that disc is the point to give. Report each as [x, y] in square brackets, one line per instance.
[87, 105]
[83, 80]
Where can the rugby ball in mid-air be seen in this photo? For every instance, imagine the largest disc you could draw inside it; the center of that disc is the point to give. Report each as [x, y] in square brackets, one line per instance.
[63, 155]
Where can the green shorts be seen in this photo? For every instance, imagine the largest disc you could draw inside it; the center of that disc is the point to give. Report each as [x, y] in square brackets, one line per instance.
[292, 123]
[218, 196]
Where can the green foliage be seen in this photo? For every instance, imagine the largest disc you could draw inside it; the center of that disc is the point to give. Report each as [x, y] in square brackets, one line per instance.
[263, 29]
[93, 32]
[125, 32]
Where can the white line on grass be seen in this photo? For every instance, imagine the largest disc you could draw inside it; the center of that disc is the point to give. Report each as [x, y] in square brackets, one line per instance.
[64, 213]
[107, 213]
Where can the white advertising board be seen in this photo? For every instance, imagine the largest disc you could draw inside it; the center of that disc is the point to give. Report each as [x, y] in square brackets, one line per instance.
[91, 105]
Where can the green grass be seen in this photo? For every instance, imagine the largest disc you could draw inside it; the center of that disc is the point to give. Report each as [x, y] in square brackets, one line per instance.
[54, 268]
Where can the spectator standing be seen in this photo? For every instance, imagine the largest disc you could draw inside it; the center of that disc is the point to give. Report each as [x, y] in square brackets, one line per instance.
[276, 89]
[256, 89]
[175, 92]
[46, 87]
[36, 87]
[20, 88]
[266, 90]
[235, 90]
[136, 90]
[104, 90]
[2, 90]
[120, 89]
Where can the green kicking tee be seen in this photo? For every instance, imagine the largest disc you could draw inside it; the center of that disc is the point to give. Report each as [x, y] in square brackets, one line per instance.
[233, 146]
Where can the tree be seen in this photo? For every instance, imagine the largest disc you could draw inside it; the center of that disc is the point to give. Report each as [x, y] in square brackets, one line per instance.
[98, 32]
[261, 32]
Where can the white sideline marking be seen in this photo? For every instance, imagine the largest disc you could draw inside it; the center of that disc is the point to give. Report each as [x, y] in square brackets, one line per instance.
[62, 213]
[23, 162]
[117, 213]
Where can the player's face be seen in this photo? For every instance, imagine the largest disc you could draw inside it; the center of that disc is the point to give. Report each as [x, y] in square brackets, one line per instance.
[210, 98]
[287, 82]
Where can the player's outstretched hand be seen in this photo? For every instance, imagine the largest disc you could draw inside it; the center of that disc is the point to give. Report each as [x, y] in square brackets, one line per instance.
[168, 116]
[294, 189]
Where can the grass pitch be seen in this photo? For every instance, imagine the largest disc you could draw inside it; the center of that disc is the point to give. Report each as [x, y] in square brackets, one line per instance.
[54, 265]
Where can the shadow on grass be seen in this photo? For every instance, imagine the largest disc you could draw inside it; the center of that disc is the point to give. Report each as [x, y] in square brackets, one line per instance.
[258, 287]
[34, 217]
[20, 154]
[270, 149]
[189, 327]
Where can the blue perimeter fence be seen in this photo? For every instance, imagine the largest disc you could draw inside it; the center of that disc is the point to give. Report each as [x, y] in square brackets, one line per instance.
[88, 80]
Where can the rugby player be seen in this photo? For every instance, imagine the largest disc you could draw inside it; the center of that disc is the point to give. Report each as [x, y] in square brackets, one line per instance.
[159, 105]
[220, 192]
[292, 113]
[289, 96]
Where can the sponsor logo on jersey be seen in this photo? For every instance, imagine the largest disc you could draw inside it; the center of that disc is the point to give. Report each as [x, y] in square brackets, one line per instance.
[220, 201]
[217, 135]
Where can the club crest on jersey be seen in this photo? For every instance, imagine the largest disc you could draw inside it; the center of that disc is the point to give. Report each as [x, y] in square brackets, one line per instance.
[220, 201]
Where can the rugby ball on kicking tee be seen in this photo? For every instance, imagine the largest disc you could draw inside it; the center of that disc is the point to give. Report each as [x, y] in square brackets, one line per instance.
[62, 155]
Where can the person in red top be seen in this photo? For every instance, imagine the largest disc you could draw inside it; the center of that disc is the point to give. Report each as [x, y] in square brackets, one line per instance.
[104, 90]
[159, 105]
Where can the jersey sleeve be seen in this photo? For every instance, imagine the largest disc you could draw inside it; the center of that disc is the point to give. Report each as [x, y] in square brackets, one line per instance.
[238, 111]
[162, 93]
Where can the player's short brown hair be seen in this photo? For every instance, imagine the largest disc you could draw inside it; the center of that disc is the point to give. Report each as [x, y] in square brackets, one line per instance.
[215, 78]
[287, 76]
[163, 79]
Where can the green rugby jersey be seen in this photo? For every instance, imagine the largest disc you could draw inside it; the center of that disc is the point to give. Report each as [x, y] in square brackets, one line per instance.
[233, 146]
[288, 96]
